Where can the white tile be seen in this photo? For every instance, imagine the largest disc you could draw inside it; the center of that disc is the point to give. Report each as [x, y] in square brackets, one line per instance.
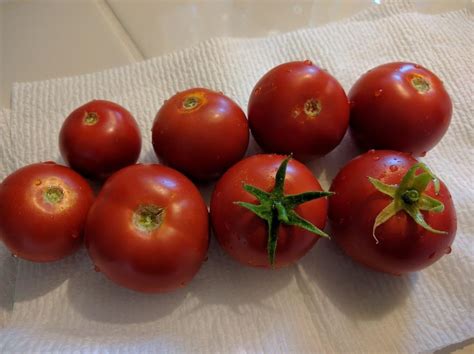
[46, 39]
[162, 26]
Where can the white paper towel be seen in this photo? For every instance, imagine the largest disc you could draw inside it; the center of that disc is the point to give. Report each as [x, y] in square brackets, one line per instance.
[326, 303]
[7, 261]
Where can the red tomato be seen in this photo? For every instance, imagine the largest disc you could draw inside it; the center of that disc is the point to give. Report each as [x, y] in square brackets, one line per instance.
[200, 132]
[148, 229]
[399, 106]
[43, 208]
[243, 234]
[99, 138]
[398, 245]
[298, 108]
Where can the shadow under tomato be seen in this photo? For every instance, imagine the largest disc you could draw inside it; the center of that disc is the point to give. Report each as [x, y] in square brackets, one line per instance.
[223, 281]
[355, 290]
[37, 279]
[97, 298]
[327, 167]
[8, 266]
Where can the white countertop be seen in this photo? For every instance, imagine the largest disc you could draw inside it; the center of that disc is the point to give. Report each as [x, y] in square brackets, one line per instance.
[46, 39]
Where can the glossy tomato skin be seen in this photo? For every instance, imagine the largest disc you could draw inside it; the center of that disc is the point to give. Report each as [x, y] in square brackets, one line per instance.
[200, 138]
[151, 261]
[403, 245]
[277, 116]
[242, 234]
[99, 138]
[388, 112]
[39, 229]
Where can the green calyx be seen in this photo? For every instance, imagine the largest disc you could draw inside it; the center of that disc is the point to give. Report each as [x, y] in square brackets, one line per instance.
[276, 208]
[409, 196]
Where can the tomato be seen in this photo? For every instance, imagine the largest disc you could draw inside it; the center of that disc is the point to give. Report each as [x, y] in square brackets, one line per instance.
[43, 208]
[200, 132]
[399, 106]
[283, 226]
[394, 221]
[148, 229]
[99, 138]
[298, 108]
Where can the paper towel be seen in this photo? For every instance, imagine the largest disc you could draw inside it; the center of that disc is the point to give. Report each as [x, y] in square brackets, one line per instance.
[7, 262]
[325, 303]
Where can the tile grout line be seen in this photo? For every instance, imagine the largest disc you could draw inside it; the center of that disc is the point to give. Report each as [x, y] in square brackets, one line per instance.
[120, 31]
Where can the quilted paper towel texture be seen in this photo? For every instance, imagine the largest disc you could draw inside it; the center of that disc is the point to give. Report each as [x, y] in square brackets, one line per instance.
[324, 303]
[7, 262]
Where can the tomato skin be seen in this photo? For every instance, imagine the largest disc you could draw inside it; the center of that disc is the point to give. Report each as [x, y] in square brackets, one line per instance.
[98, 150]
[159, 260]
[203, 141]
[242, 234]
[276, 111]
[403, 245]
[35, 229]
[387, 112]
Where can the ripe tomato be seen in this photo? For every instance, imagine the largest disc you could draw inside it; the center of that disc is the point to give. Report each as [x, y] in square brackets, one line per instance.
[200, 132]
[99, 138]
[43, 208]
[148, 229]
[399, 106]
[389, 218]
[298, 108]
[278, 231]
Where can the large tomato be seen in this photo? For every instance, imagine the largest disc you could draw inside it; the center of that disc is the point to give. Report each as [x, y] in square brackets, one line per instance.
[399, 106]
[99, 138]
[298, 108]
[389, 217]
[43, 208]
[148, 229]
[263, 212]
[200, 132]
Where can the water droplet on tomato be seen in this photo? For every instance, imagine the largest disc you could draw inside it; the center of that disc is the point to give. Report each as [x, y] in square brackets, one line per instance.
[378, 92]
[393, 168]
[257, 90]
[37, 182]
[423, 154]
[376, 158]
[448, 250]
[308, 62]
[96, 269]
[431, 255]
[14, 255]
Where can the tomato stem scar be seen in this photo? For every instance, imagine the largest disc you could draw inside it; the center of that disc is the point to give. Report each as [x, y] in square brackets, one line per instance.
[53, 194]
[312, 107]
[91, 118]
[148, 217]
[191, 102]
[420, 84]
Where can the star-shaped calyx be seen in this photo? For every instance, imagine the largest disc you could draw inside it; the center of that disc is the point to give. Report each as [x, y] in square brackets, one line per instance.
[409, 196]
[276, 208]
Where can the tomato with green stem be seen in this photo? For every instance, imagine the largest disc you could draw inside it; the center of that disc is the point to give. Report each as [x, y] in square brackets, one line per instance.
[391, 213]
[268, 211]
